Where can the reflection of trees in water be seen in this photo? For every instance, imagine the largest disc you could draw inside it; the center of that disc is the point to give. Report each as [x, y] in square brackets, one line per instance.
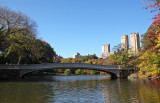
[78, 91]
[134, 91]
[119, 90]
[149, 91]
[25, 92]
[76, 85]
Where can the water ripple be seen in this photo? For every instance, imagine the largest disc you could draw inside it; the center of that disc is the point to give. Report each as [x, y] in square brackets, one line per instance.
[80, 89]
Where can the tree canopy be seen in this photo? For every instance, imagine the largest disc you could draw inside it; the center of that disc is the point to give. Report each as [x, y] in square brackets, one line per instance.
[150, 55]
[18, 42]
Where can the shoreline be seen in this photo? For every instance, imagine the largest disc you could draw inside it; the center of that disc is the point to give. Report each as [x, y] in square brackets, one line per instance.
[136, 76]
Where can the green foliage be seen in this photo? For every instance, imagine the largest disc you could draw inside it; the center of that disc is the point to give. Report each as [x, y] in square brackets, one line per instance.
[18, 42]
[67, 72]
[150, 57]
[150, 64]
[79, 72]
[26, 50]
[67, 60]
[93, 72]
[88, 57]
[122, 57]
[149, 38]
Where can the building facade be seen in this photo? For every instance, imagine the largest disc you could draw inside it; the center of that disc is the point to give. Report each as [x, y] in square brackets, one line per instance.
[77, 55]
[124, 42]
[105, 48]
[58, 57]
[134, 47]
[135, 43]
[105, 51]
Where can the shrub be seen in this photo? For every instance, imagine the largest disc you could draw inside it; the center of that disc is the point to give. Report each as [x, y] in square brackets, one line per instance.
[67, 72]
[79, 71]
[93, 72]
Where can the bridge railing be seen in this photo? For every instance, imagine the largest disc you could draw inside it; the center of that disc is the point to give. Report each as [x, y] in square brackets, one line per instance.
[9, 67]
[59, 65]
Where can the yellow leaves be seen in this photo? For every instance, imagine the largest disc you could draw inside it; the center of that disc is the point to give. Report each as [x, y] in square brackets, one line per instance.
[157, 32]
[78, 60]
[144, 56]
[113, 58]
[150, 64]
[158, 43]
[141, 64]
[158, 38]
[92, 61]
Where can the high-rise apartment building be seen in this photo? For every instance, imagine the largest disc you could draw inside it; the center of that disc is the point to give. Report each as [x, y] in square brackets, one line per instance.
[105, 48]
[124, 42]
[135, 43]
[105, 51]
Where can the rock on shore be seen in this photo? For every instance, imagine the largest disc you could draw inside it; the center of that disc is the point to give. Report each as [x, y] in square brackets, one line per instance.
[133, 76]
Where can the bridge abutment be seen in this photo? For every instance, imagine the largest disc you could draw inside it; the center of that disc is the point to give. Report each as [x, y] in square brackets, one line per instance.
[124, 73]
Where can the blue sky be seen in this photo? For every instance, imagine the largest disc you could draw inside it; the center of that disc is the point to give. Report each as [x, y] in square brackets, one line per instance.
[83, 26]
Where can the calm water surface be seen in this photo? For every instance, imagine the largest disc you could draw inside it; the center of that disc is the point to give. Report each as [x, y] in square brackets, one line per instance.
[79, 89]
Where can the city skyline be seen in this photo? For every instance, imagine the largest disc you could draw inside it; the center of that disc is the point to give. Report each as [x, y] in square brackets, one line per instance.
[83, 25]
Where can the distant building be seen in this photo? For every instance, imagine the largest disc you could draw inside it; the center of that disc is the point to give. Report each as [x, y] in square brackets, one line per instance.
[105, 51]
[134, 40]
[105, 48]
[58, 57]
[77, 55]
[135, 43]
[124, 42]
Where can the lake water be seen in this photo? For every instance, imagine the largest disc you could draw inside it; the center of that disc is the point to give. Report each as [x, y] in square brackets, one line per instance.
[79, 89]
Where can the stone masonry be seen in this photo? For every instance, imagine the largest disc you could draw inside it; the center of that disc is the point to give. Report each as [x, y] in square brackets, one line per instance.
[134, 40]
[124, 42]
[135, 43]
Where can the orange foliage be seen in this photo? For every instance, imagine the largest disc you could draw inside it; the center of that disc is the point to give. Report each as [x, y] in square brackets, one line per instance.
[156, 8]
[43, 42]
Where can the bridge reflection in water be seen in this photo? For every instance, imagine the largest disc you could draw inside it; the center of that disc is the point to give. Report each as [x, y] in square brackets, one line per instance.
[18, 71]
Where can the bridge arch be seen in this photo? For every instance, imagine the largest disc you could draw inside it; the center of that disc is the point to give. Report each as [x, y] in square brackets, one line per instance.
[112, 70]
[24, 72]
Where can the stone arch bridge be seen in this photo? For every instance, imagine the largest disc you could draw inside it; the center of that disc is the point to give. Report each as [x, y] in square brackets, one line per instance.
[18, 71]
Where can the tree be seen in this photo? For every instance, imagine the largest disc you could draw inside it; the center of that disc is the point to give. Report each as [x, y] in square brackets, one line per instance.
[149, 38]
[79, 72]
[149, 59]
[150, 64]
[67, 72]
[93, 72]
[47, 52]
[120, 56]
[107, 61]
[155, 6]
[26, 50]
[88, 57]
[12, 23]
[116, 48]
[18, 41]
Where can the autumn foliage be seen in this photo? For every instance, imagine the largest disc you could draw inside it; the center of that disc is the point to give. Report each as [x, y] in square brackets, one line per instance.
[155, 6]
[89, 59]
[18, 42]
[150, 55]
